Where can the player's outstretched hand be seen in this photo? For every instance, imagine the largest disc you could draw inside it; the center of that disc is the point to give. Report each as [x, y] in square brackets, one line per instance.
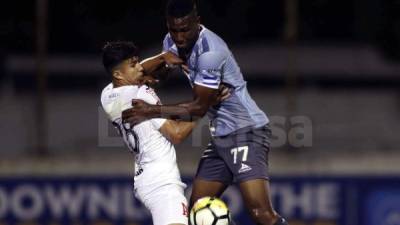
[185, 68]
[224, 92]
[138, 113]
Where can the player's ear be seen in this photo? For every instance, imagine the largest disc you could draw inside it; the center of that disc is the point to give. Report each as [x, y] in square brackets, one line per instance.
[117, 74]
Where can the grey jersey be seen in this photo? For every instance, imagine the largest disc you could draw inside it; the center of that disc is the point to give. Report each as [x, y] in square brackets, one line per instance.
[211, 63]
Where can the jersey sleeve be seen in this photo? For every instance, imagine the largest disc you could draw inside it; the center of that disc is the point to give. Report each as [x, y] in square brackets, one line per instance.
[148, 95]
[210, 69]
[169, 45]
[158, 122]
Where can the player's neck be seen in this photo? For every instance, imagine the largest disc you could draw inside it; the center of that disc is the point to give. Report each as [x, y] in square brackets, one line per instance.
[185, 53]
[121, 82]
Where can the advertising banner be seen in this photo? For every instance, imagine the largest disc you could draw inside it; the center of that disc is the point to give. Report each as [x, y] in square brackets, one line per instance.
[97, 200]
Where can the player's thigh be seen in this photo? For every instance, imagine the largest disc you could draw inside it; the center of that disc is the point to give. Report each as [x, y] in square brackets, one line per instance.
[212, 167]
[256, 194]
[168, 205]
[202, 188]
[212, 177]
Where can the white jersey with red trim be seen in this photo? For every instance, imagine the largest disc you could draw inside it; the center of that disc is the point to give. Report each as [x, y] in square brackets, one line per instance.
[155, 158]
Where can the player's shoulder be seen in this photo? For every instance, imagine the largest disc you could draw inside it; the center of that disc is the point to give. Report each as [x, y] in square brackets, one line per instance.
[128, 91]
[169, 45]
[105, 93]
[122, 89]
[107, 89]
[168, 42]
[110, 93]
[213, 50]
[167, 37]
[115, 100]
[212, 60]
[210, 41]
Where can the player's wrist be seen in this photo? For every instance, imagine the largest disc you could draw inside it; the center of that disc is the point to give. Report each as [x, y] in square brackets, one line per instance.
[156, 111]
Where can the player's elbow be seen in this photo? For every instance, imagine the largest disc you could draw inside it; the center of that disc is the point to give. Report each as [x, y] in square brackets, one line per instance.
[173, 132]
[176, 138]
[203, 111]
[199, 110]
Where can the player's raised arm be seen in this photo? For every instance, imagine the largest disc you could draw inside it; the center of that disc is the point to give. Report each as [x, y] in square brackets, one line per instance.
[205, 91]
[188, 111]
[156, 63]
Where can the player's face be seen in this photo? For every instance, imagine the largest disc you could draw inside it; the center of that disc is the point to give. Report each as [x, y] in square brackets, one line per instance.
[184, 31]
[131, 70]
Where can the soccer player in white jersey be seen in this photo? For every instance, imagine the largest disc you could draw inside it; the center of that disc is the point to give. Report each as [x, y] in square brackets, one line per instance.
[157, 182]
[240, 143]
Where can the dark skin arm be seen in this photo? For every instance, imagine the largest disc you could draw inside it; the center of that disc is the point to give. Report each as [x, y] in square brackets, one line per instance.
[190, 111]
[157, 68]
[157, 64]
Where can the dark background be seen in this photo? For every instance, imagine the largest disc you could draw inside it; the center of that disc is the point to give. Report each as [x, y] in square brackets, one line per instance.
[327, 75]
[83, 26]
[341, 69]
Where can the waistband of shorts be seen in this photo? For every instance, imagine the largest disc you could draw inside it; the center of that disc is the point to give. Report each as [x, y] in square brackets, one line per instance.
[250, 129]
[245, 130]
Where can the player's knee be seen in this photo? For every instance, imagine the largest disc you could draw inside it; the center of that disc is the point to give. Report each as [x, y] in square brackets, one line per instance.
[263, 216]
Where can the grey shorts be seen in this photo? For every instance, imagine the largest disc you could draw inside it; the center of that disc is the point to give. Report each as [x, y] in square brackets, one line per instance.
[237, 157]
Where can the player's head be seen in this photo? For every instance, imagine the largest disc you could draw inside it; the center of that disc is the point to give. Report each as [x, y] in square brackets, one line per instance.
[183, 23]
[121, 60]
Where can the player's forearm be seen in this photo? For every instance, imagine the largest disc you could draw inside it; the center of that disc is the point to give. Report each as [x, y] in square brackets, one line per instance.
[184, 111]
[176, 131]
[150, 65]
[183, 130]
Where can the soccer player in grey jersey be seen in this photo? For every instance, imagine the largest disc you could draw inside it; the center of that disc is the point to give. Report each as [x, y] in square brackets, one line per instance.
[238, 151]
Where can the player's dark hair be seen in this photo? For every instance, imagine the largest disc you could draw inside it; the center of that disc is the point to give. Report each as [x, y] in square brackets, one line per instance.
[116, 52]
[180, 8]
